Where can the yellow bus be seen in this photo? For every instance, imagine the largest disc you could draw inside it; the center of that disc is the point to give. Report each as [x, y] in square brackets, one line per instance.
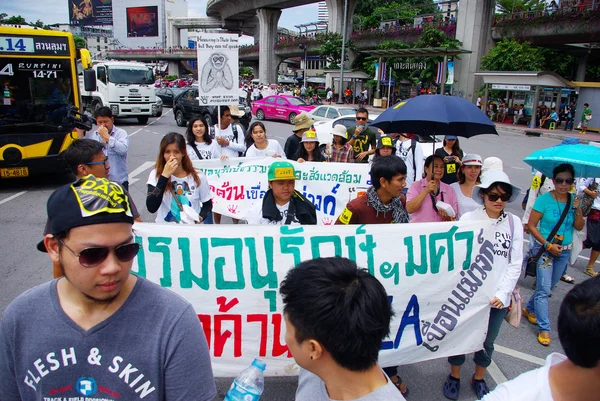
[40, 102]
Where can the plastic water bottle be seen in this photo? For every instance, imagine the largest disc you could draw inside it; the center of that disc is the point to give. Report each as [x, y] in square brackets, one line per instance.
[249, 385]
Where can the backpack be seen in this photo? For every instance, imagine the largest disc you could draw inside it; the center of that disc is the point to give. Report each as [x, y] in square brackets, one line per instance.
[526, 197]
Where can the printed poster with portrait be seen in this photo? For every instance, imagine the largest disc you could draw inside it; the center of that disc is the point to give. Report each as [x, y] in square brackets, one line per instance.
[142, 22]
[218, 69]
[90, 12]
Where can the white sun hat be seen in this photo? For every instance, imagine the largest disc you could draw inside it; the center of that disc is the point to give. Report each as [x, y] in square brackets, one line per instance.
[488, 179]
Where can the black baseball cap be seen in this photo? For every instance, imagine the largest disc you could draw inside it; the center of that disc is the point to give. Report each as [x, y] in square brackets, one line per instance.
[88, 201]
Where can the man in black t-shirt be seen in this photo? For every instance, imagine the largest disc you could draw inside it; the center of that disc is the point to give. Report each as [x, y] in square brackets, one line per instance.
[362, 138]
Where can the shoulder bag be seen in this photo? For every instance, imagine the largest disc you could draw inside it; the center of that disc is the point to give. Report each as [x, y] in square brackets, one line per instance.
[514, 314]
[587, 201]
[188, 214]
[531, 267]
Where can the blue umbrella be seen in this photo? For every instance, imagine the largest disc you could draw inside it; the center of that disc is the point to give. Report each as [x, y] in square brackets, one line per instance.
[584, 158]
[435, 115]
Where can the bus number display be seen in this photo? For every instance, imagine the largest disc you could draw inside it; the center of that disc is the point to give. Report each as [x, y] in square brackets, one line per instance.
[10, 44]
[45, 74]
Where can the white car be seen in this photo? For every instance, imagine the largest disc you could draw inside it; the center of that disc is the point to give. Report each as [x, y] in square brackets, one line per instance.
[324, 129]
[331, 112]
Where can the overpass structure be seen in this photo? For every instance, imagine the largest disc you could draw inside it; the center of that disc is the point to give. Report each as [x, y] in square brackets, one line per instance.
[476, 28]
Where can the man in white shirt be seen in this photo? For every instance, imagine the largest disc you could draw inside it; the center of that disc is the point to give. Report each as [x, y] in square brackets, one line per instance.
[575, 377]
[327, 302]
[411, 153]
[229, 136]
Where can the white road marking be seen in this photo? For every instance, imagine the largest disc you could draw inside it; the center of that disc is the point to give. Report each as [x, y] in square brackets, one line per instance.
[496, 373]
[145, 166]
[580, 256]
[517, 168]
[136, 131]
[519, 355]
[3, 201]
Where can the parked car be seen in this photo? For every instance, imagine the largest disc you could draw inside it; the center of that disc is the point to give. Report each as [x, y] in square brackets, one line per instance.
[330, 112]
[186, 105]
[157, 111]
[280, 107]
[168, 95]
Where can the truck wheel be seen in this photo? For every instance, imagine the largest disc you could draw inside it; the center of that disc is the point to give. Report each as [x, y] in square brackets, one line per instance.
[143, 120]
[179, 118]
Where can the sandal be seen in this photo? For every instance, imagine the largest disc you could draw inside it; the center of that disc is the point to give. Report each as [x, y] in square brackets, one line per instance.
[399, 384]
[590, 272]
[567, 279]
[530, 316]
[544, 338]
[451, 388]
[480, 387]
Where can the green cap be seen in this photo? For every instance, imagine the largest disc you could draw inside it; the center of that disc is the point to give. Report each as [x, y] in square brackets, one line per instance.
[280, 171]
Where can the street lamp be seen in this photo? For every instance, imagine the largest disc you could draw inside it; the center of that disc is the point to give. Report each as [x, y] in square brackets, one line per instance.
[302, 46]
[340, 100]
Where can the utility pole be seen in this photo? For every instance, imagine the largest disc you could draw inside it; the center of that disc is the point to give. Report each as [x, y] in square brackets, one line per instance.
[340, 99]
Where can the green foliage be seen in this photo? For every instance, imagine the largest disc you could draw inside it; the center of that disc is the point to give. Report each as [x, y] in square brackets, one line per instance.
[246, 71]
[13, 20]
[507, 6]
[171, 77]
[370, 13]
[510, 55]
[79, 42]
[331, 49]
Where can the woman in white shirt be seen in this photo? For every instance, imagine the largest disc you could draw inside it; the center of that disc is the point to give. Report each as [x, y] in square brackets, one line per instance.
[259, 145]
[494, 192]
[469, 175]
[200, 145]
[178, 192]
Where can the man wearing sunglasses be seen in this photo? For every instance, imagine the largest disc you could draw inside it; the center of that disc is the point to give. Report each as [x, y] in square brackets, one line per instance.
[100, 332]
[362, 139]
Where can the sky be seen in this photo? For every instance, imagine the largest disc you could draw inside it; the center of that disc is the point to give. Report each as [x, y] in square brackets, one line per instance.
[56, 11]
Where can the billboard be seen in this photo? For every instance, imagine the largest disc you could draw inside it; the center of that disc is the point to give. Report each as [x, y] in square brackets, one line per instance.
[90, 12]
[142, 22]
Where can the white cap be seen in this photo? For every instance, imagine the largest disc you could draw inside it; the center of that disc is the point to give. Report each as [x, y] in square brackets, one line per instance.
[340, 130]
[492, 163]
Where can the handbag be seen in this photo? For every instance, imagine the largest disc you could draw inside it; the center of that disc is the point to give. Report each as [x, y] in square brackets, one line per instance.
[515, 309]
[587, 201]
[531, 266]
[188, 214]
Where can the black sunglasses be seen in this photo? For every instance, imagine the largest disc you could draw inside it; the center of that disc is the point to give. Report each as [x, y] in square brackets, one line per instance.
[92, 257]
[495, 197]
[564, 180]
[362, 118]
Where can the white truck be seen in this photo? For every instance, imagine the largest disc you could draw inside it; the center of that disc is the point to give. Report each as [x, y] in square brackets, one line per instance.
[126, 87]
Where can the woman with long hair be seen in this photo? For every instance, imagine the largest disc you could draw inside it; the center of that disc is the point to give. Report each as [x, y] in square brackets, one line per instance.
[340, 150]
[551, 265]
[200, 145]
[309, 149]
[178, 192]
[423, 195]
[469, 175]
[258, 145]
[492, 196]
[452, 155]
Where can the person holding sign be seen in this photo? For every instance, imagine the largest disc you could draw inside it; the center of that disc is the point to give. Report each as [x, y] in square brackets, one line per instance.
[259, 145]
[430, 199]
[336, 317]
[200, 146]
[229, 136]
[100, 325]
[282, 204]
[452, 155]
[385, 147]
[493, 194]
[176, 190]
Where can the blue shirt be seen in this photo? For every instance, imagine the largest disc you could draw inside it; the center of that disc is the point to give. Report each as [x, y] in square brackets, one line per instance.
[116, 150]
[554, 116]
[551, 211]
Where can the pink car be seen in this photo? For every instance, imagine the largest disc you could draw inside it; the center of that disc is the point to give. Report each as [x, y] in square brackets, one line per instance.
[280, 107]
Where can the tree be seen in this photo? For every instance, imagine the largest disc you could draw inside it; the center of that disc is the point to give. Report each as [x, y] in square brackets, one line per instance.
[402, 10]
[80, 42]
[331, 49]
[509, 6]
[511, 55]
[14, 20]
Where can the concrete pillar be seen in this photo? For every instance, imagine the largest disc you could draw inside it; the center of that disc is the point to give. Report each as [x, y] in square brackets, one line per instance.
[267, 27]
[174, 67]
[336, 16]
[582, 67]
[174, 38]
[473, 29]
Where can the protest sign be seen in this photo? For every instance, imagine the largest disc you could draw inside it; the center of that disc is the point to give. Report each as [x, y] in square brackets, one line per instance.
[218, 69]
[237, 183]
[438, 276]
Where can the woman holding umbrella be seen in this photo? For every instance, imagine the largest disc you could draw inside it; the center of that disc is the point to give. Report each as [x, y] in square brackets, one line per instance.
[542, 222]
[452, 155]
[423, 197]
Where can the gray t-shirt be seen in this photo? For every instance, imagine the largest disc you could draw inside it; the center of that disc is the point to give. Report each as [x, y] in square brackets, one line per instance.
[152, 348]
[312, 388]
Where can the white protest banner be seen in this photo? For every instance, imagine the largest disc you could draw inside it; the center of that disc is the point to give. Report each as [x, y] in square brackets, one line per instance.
[439, 278]
[237, 183]
[218, 68]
